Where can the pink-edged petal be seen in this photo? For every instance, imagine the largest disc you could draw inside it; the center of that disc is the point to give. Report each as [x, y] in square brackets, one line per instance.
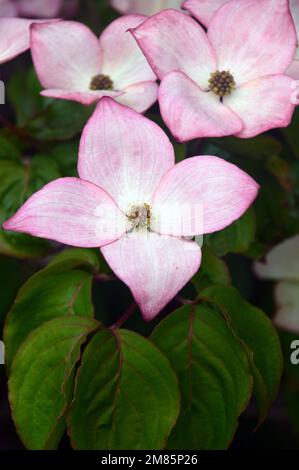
[282, 262]
[155, 268]
[84, 97]
[293, 70]
[139, 97]
[294, 7]
[253, 38]
[145, 7]
[123, 60]
[190, 112]
[263, 104]
[201, 195]
[203, 10]
[124, 153]
[39, 8]
[66, 55]
[8, 9]
[15, 37]
[287, 298]
[70, 211]
[172, 41]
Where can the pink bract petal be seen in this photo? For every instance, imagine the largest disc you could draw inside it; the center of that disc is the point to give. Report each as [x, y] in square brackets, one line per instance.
[66, 55]
[293, 70]
[39, 8]
[8, 9]
[264, 104]
[145, 7]
[203, 10]
[172, 41]
[201, 195]
[70, 211]
[294, 7]
[124, 153]
[139, 97]
[123, 60]
[15, 37]
[155, 268]
[190, 112]
[84, 97]
[253, 38]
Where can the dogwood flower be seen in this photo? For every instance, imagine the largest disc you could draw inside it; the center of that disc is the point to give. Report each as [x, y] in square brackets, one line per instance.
[203, 11]
[144, 7]
[14, 37]
[282, 265]
[30, 8]
[232, 79]
[133, 201]
[73, 64]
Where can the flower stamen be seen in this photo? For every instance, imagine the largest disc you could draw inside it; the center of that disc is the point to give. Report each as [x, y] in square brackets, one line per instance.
[101, 82]
[222, 83]
[140, 216]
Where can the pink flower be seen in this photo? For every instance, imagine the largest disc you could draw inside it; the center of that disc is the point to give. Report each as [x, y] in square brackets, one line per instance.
[282, 265]
[30, 8]
[203, 11]
[293, 70]
[73, 64]
[144, 7]
[14, 37]
[133, 201]
[232, 79]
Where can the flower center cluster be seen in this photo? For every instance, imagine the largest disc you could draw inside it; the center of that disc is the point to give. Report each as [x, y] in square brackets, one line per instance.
[222, 83]
[140, 216]
[101, 82]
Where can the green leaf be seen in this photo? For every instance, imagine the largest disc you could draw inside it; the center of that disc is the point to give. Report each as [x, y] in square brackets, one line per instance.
[126, 395]
[40, 382]
[44, 118]
[10, 282]
[260, 338]
[212, 271]
[213, 373]
[236, 238]
[61, 289]
[18, 180]
[259, 147]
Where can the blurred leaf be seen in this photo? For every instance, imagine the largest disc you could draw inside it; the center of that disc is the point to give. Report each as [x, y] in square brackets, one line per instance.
[9, 147]
[260, 338]
[126, 395]
[66, 157]
[291, 133]
[212, 271]
[61, 289]
[213, 374]
[236, 238]
[41, 379]
[180, 151]
[18, 180]
[258, 147]
[44, 118]
[9, 282]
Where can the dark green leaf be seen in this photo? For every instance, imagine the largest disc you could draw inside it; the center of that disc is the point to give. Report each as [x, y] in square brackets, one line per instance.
[61, 289]
[213, 373]
[40, 383]
[212, 271]
[236, 238]
[260, 338]
[126, 395]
